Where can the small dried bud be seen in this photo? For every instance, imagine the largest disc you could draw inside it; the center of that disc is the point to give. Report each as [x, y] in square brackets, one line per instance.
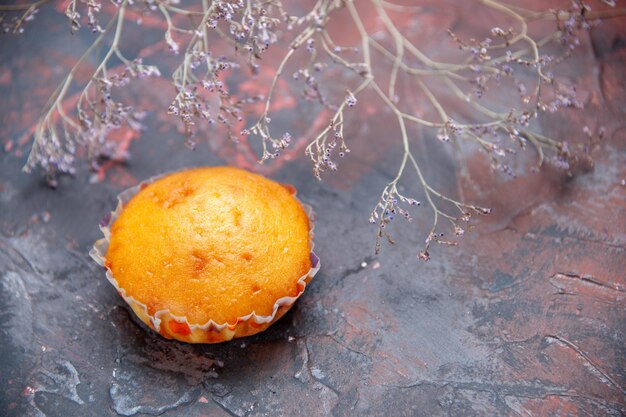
[350, 99]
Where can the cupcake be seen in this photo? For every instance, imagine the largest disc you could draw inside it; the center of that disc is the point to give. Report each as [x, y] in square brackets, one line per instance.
[206, 255]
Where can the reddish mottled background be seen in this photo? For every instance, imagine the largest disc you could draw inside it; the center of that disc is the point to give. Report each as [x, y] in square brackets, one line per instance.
[526, 316]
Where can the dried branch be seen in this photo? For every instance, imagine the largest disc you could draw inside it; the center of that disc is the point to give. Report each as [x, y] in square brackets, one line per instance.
[512, 56]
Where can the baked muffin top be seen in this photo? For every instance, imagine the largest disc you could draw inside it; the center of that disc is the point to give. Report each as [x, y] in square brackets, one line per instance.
[210, 244]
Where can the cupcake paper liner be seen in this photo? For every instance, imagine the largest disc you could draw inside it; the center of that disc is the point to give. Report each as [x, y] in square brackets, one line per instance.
[172, 326]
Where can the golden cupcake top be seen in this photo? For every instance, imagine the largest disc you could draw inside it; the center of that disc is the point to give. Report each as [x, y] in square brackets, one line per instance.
[210, 244]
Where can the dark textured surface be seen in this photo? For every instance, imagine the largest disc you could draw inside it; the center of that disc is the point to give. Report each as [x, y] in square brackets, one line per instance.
[525, 317]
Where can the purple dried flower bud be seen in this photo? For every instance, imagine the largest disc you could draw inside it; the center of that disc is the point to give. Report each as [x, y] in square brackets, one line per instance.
[413, 202]
[350, 99]
[310, 45]
[442, 135]
[496, 31]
